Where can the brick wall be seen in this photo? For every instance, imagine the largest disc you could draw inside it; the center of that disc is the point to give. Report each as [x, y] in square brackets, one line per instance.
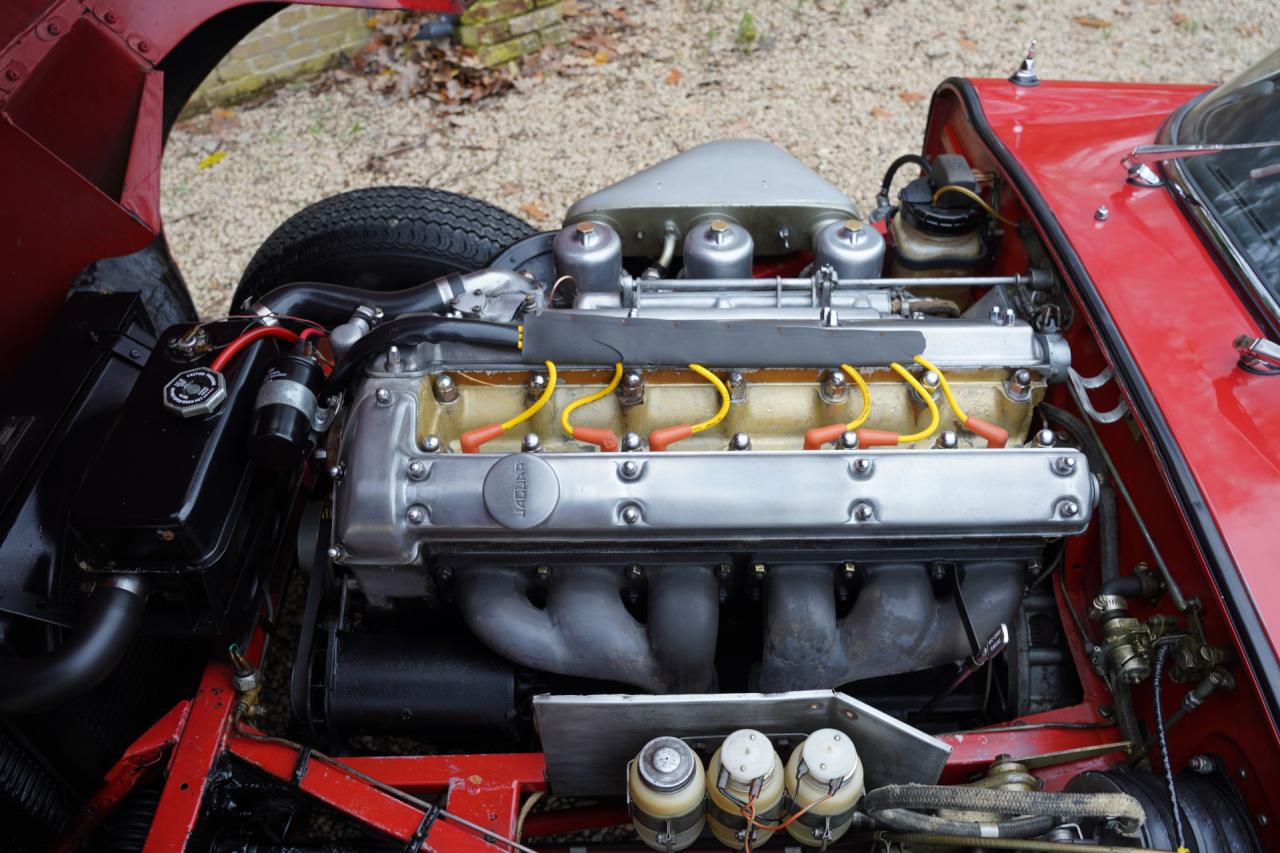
[502, 30]
[296, 41]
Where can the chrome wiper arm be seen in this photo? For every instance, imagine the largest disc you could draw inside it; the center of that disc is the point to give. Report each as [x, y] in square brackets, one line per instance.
[1137, 163]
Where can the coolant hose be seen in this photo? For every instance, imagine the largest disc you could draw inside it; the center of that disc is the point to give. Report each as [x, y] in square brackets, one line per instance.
[106, 627]
[331, 304]
[413, 329]
[898, 807]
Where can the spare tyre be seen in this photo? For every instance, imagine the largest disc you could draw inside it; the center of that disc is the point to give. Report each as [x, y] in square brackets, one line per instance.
[381, 238]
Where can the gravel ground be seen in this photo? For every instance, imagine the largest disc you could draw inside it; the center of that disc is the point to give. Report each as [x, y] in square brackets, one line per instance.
[841, 84]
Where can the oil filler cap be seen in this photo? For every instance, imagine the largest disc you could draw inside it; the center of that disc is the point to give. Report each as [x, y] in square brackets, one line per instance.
[195, 392]
[521, 490]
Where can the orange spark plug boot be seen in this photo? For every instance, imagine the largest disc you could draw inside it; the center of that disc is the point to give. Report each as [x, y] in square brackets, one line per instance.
[659, 439]
[815, 438]
[996, 436]
[877, 438]
[473, 438]
[605, 439]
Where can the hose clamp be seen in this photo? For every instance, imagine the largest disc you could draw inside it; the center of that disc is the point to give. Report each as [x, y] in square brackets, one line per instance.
[133, 584]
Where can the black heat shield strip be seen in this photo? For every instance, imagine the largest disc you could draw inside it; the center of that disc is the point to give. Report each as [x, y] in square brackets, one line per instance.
[580, 338]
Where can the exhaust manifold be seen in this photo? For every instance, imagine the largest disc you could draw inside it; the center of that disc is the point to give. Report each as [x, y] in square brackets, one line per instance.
[584, 630]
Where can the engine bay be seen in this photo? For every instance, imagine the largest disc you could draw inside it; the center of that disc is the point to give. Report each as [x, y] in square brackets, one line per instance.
[718, 473]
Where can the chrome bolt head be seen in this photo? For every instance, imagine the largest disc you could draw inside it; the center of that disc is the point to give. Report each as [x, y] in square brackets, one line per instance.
[417, 469]
[416, 514]
[1022, 376]
[335, 552]
[630, 514]
[632, 379]
[430, 443]
[630, 469]
[336, 472]
[863, 467]
[1064, 465]
[848, 440]
[1102, 214]
[537, 384]
[997, 314]
[445, 389]
[630, 442]
[739, 441]
[1046, 438]
[947, 440]
[383, 396]
[530, 443]
[863, 511]
[1068, 509]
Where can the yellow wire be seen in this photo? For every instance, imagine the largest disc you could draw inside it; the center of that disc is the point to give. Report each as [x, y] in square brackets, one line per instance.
[866, 397]
[928, 401]
[539, 403]
[577, 404]
[946, 388]
[968, 193]
[724, 397]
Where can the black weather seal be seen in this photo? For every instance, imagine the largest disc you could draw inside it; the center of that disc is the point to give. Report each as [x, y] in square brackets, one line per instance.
[1234, 594]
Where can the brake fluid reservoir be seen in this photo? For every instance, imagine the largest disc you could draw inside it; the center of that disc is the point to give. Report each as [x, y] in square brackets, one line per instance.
[823, 773]
[666, 789]
[744, 771]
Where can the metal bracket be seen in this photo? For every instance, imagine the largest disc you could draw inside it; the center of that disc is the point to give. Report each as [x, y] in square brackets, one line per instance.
[17, 602]
[300, 768]
[1083, 384]
[415, 841]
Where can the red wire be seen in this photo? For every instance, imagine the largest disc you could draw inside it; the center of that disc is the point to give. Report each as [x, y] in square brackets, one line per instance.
[312, 330]
[248, 338]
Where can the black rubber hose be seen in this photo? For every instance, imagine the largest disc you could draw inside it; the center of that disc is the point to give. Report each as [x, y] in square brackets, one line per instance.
[898, 164]
[413, 329]
[106, 627]
[331, 304]
[1129, 586]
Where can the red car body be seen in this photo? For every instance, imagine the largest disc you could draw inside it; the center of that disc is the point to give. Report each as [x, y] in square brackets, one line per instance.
[88, 90]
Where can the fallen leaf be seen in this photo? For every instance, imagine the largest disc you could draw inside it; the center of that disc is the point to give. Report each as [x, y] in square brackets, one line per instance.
[534, 211]
[673, 77]
[1178, 18]
[601, 57]
[968, 44]
[911, 97]
[507, 188]
[212, 159]
[619, 14]
[1092, 21]
[1247, 30]
[881, 112]
[221, 118]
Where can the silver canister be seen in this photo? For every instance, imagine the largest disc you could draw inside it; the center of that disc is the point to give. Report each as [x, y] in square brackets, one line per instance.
[718, 249]
[852, 248]
[591, 254]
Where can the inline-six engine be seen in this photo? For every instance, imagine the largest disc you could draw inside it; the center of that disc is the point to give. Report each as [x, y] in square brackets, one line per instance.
[727, 449]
